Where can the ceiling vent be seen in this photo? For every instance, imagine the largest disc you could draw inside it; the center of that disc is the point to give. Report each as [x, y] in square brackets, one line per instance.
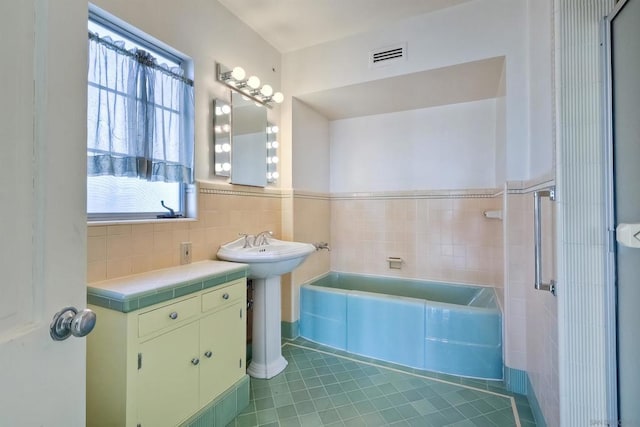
[387, 55]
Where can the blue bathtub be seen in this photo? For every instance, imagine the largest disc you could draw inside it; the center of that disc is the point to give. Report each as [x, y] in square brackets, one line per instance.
[440, 327]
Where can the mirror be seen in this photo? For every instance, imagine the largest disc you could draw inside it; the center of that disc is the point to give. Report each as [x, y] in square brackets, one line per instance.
[249, 142]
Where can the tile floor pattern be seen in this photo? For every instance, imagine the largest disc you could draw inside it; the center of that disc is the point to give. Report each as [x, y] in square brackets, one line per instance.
[327, 387]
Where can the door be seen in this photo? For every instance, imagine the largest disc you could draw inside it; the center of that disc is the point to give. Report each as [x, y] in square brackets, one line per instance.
[42, 209]
[624, 24]
[168, 377]
[222, 344]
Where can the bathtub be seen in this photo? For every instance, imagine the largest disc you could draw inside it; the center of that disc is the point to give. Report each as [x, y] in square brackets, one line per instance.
[440, 327]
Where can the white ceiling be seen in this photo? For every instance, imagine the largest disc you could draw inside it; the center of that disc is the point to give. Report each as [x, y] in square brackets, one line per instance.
[470, 81]
[295, 24]
[290, 25]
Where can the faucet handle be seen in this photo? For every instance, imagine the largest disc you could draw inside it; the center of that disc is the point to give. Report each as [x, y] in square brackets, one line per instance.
[261, 238]
[247, 243]
[322, 245]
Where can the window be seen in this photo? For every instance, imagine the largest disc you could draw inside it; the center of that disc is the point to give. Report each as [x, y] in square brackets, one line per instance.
[140, 125]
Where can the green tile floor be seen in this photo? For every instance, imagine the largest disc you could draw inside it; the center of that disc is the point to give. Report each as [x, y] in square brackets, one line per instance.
[327, 387]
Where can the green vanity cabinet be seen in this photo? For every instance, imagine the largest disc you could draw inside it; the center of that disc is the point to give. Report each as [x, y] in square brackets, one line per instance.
[159, 365]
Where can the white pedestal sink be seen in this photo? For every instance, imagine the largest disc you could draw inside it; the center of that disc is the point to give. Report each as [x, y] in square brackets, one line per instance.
[267, 262]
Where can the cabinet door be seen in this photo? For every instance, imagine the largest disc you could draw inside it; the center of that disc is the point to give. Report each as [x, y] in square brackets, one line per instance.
[223, 335]
[168, 378]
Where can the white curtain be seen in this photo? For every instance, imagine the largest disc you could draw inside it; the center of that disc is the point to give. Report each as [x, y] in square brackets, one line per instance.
[140, 115]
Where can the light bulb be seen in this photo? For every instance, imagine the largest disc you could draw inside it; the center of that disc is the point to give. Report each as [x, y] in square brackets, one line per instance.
[275, 159]
[218, 111]
[275, 175]
[218, 129]
[226, 109]
[226, 167]
[253, 82]
[238, 73]
[218, 167]
[266, 90]
[274, 144]
[278, 97]
[226, 147]
[268, 175]
[218, 148]
[269, 130]
[268, 146]
[226, 128]
[275, 129]
[268, 160]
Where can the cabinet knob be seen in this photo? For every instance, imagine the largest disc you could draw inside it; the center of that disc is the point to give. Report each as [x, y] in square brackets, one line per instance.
[225, 296]
[195, 361]
[174, 315]
[208, 354]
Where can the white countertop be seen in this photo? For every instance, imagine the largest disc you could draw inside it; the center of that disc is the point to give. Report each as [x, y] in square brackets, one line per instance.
[126, 287]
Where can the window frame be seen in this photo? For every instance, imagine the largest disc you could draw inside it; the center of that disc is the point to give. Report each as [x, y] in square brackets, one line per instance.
[157, 49]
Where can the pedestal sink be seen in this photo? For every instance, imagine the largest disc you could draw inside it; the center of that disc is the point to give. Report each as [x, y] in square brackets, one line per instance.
[268, 259]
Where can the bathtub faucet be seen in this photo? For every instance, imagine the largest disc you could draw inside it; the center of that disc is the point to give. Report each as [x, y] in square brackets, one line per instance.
[322, 245]
[261, 238]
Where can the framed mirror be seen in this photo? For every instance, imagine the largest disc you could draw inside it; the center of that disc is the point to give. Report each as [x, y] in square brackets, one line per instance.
[245, 145]
[248, 142]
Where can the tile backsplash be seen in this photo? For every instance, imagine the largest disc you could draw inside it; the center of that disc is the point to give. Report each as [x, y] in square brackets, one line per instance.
[123, 249]
[439, 236]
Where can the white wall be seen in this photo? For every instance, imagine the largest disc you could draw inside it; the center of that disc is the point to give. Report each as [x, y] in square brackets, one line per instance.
[206, 32]
[471, 31]
[501, 132]
[541, 134]
[311, 151]
[448, 147]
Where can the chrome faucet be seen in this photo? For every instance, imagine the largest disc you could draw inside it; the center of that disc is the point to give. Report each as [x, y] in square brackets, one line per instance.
[261, 238]
[247, 243]
[322, 245]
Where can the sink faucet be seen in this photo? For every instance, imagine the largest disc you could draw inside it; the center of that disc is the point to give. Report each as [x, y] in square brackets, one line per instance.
[261, 238]
[247, 243]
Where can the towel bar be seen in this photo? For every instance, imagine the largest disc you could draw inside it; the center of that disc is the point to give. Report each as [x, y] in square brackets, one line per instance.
[537, 227]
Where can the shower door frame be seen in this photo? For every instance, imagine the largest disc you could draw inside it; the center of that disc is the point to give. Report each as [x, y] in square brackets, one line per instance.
[611, 311]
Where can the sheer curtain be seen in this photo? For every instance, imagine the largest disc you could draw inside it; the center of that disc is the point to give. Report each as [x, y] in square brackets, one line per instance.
[139, 115]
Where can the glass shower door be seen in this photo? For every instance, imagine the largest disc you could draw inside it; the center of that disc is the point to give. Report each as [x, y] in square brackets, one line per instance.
[624, 24]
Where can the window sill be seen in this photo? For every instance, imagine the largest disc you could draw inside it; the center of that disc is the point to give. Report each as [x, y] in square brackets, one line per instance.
[141, 221]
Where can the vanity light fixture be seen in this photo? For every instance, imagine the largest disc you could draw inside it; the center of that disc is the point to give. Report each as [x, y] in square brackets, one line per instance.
[250, 87]
[222, 137]
[272, 154]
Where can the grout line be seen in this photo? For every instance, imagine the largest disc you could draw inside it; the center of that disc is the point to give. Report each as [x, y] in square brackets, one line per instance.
[514, 408]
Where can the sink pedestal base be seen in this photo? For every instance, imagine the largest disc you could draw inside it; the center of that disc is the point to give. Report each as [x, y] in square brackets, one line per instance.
[267, 360]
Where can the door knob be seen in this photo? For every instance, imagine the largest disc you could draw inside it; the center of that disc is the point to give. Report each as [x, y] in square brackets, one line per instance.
[69, 321]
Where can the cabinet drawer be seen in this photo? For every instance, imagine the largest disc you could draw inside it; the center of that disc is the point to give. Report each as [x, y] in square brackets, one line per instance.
[224, 296]
[168, 315]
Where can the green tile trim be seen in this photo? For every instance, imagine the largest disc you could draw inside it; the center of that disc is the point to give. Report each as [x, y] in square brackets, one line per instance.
[289, 330]
[214, 281]
[156, 298]
[134, 302]
[224, 408]
[516, 380]
[237, 275]
[535, 406]
[188, 289]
